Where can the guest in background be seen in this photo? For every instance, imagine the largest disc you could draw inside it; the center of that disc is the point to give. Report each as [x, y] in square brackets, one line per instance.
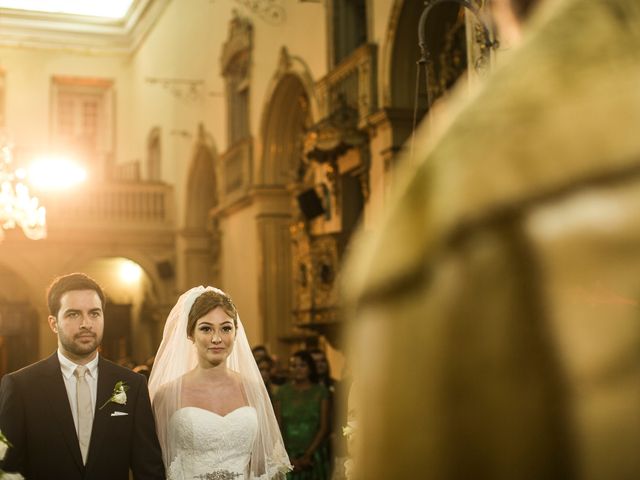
[265, 365]
[322, 366]
[302, 408]
[260, 352]
[324, 377]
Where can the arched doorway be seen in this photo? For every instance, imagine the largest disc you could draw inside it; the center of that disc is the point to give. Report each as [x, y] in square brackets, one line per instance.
[286, 119]
[131, 333]
[19, 332]
[199, 241]
[445, 32]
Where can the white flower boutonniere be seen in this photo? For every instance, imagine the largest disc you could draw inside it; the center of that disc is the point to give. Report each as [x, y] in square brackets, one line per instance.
[5, 444]
[119, 394]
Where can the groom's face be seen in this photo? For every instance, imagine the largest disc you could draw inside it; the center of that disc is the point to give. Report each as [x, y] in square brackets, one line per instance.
[79, 324]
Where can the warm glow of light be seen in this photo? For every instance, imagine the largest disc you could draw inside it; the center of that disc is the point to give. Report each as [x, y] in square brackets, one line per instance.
[55, 173]
[130, 272]
[17, 207]
[114, 9]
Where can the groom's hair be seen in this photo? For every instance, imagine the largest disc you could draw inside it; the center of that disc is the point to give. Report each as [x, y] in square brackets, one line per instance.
[67, 283]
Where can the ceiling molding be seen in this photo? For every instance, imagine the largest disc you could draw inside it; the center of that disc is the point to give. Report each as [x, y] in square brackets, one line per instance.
[77, 33]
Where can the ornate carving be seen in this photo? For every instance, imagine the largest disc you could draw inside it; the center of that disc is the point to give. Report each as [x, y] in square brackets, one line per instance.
[452, 60]
[180, 88]
[240, 40]
[334, 135]
[315, 263]
[268, 10]
[353, 81]
[479, 49]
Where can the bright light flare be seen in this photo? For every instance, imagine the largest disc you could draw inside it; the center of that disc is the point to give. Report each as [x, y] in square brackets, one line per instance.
[55, 173]
[130, 272]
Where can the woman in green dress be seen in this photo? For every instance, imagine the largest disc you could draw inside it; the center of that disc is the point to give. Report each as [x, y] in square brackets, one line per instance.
[302, 408]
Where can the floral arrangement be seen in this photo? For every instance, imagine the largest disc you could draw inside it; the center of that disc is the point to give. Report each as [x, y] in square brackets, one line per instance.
[119, 394]
[349, 431]
[5, 444]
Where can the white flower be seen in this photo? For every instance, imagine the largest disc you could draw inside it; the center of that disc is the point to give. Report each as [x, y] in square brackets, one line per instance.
[119, 394]
[3, 449]
[4, 446]
[11, 476]
[120, 397]
[348, 468]
[349, 429]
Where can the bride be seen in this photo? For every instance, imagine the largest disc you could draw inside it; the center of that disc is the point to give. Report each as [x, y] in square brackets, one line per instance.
[213, 414]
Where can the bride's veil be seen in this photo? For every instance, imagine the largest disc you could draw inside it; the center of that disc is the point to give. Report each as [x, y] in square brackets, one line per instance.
[177, 356]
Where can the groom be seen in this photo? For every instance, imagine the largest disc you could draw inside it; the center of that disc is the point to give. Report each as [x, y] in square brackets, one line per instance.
[76, 415]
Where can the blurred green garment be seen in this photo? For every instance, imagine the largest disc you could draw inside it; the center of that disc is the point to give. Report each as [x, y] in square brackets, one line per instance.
[496, 311]
[301, 415]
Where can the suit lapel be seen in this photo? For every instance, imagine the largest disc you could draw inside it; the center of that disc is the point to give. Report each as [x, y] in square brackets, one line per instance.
[106, 382]
[54, 390]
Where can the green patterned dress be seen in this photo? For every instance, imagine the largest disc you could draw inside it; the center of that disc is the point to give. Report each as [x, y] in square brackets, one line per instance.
[301, 411]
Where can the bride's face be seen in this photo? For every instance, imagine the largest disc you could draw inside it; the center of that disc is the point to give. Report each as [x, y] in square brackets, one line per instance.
[214, 335]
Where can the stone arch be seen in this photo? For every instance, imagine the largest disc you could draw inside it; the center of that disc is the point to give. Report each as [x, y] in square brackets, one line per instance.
[146, 262]
[401, 50]
[19, 326]
[283, 137]
[127, 333]
[291, 103]
[287, 115]
[202, 185]
[30, 275]
[199, 242]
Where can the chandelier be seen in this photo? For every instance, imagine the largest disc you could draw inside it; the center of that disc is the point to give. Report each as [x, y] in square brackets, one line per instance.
[17, 207]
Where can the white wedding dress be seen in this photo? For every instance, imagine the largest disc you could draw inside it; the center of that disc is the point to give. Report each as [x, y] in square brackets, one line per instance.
[209, 446]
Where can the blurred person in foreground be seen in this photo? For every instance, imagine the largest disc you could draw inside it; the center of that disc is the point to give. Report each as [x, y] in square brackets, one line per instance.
[496, 330]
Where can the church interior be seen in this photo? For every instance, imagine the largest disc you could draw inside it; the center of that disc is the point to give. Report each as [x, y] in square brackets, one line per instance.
[410, 189]
[216, 142]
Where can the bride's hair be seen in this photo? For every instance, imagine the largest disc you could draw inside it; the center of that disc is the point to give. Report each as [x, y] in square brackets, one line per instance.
[210, 300]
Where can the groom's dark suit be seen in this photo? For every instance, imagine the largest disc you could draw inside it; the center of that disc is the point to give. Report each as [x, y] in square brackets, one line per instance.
[36, 417]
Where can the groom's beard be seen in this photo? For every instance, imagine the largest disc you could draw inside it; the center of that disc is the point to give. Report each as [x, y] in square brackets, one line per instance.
[80, 344]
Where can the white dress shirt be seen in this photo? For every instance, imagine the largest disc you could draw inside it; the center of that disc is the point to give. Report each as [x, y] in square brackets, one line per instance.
[70, 383]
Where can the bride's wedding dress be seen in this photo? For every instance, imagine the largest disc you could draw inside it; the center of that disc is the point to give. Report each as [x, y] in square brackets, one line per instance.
[209, 446]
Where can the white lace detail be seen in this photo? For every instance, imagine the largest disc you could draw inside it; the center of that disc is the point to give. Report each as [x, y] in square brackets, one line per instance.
[210, 446]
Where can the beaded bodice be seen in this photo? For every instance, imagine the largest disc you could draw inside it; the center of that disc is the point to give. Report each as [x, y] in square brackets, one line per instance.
[209, 446]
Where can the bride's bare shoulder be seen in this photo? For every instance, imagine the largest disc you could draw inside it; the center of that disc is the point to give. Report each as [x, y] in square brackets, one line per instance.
[235, 377]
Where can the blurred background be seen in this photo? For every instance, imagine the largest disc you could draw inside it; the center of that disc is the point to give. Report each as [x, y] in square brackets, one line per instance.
[232, 143]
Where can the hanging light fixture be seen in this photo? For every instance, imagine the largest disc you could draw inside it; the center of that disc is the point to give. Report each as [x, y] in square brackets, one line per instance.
[17, 207]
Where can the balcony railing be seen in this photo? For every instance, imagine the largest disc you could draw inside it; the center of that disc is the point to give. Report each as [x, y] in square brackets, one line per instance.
[129, 205]
[352, 81]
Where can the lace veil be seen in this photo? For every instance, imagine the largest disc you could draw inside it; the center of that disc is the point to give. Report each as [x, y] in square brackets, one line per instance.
[177, 356]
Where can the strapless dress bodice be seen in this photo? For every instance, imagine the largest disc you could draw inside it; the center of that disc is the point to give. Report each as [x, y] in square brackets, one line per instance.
[209, 446]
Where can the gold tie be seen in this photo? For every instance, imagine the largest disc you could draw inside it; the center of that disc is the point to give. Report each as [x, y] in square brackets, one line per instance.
[85, 410]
